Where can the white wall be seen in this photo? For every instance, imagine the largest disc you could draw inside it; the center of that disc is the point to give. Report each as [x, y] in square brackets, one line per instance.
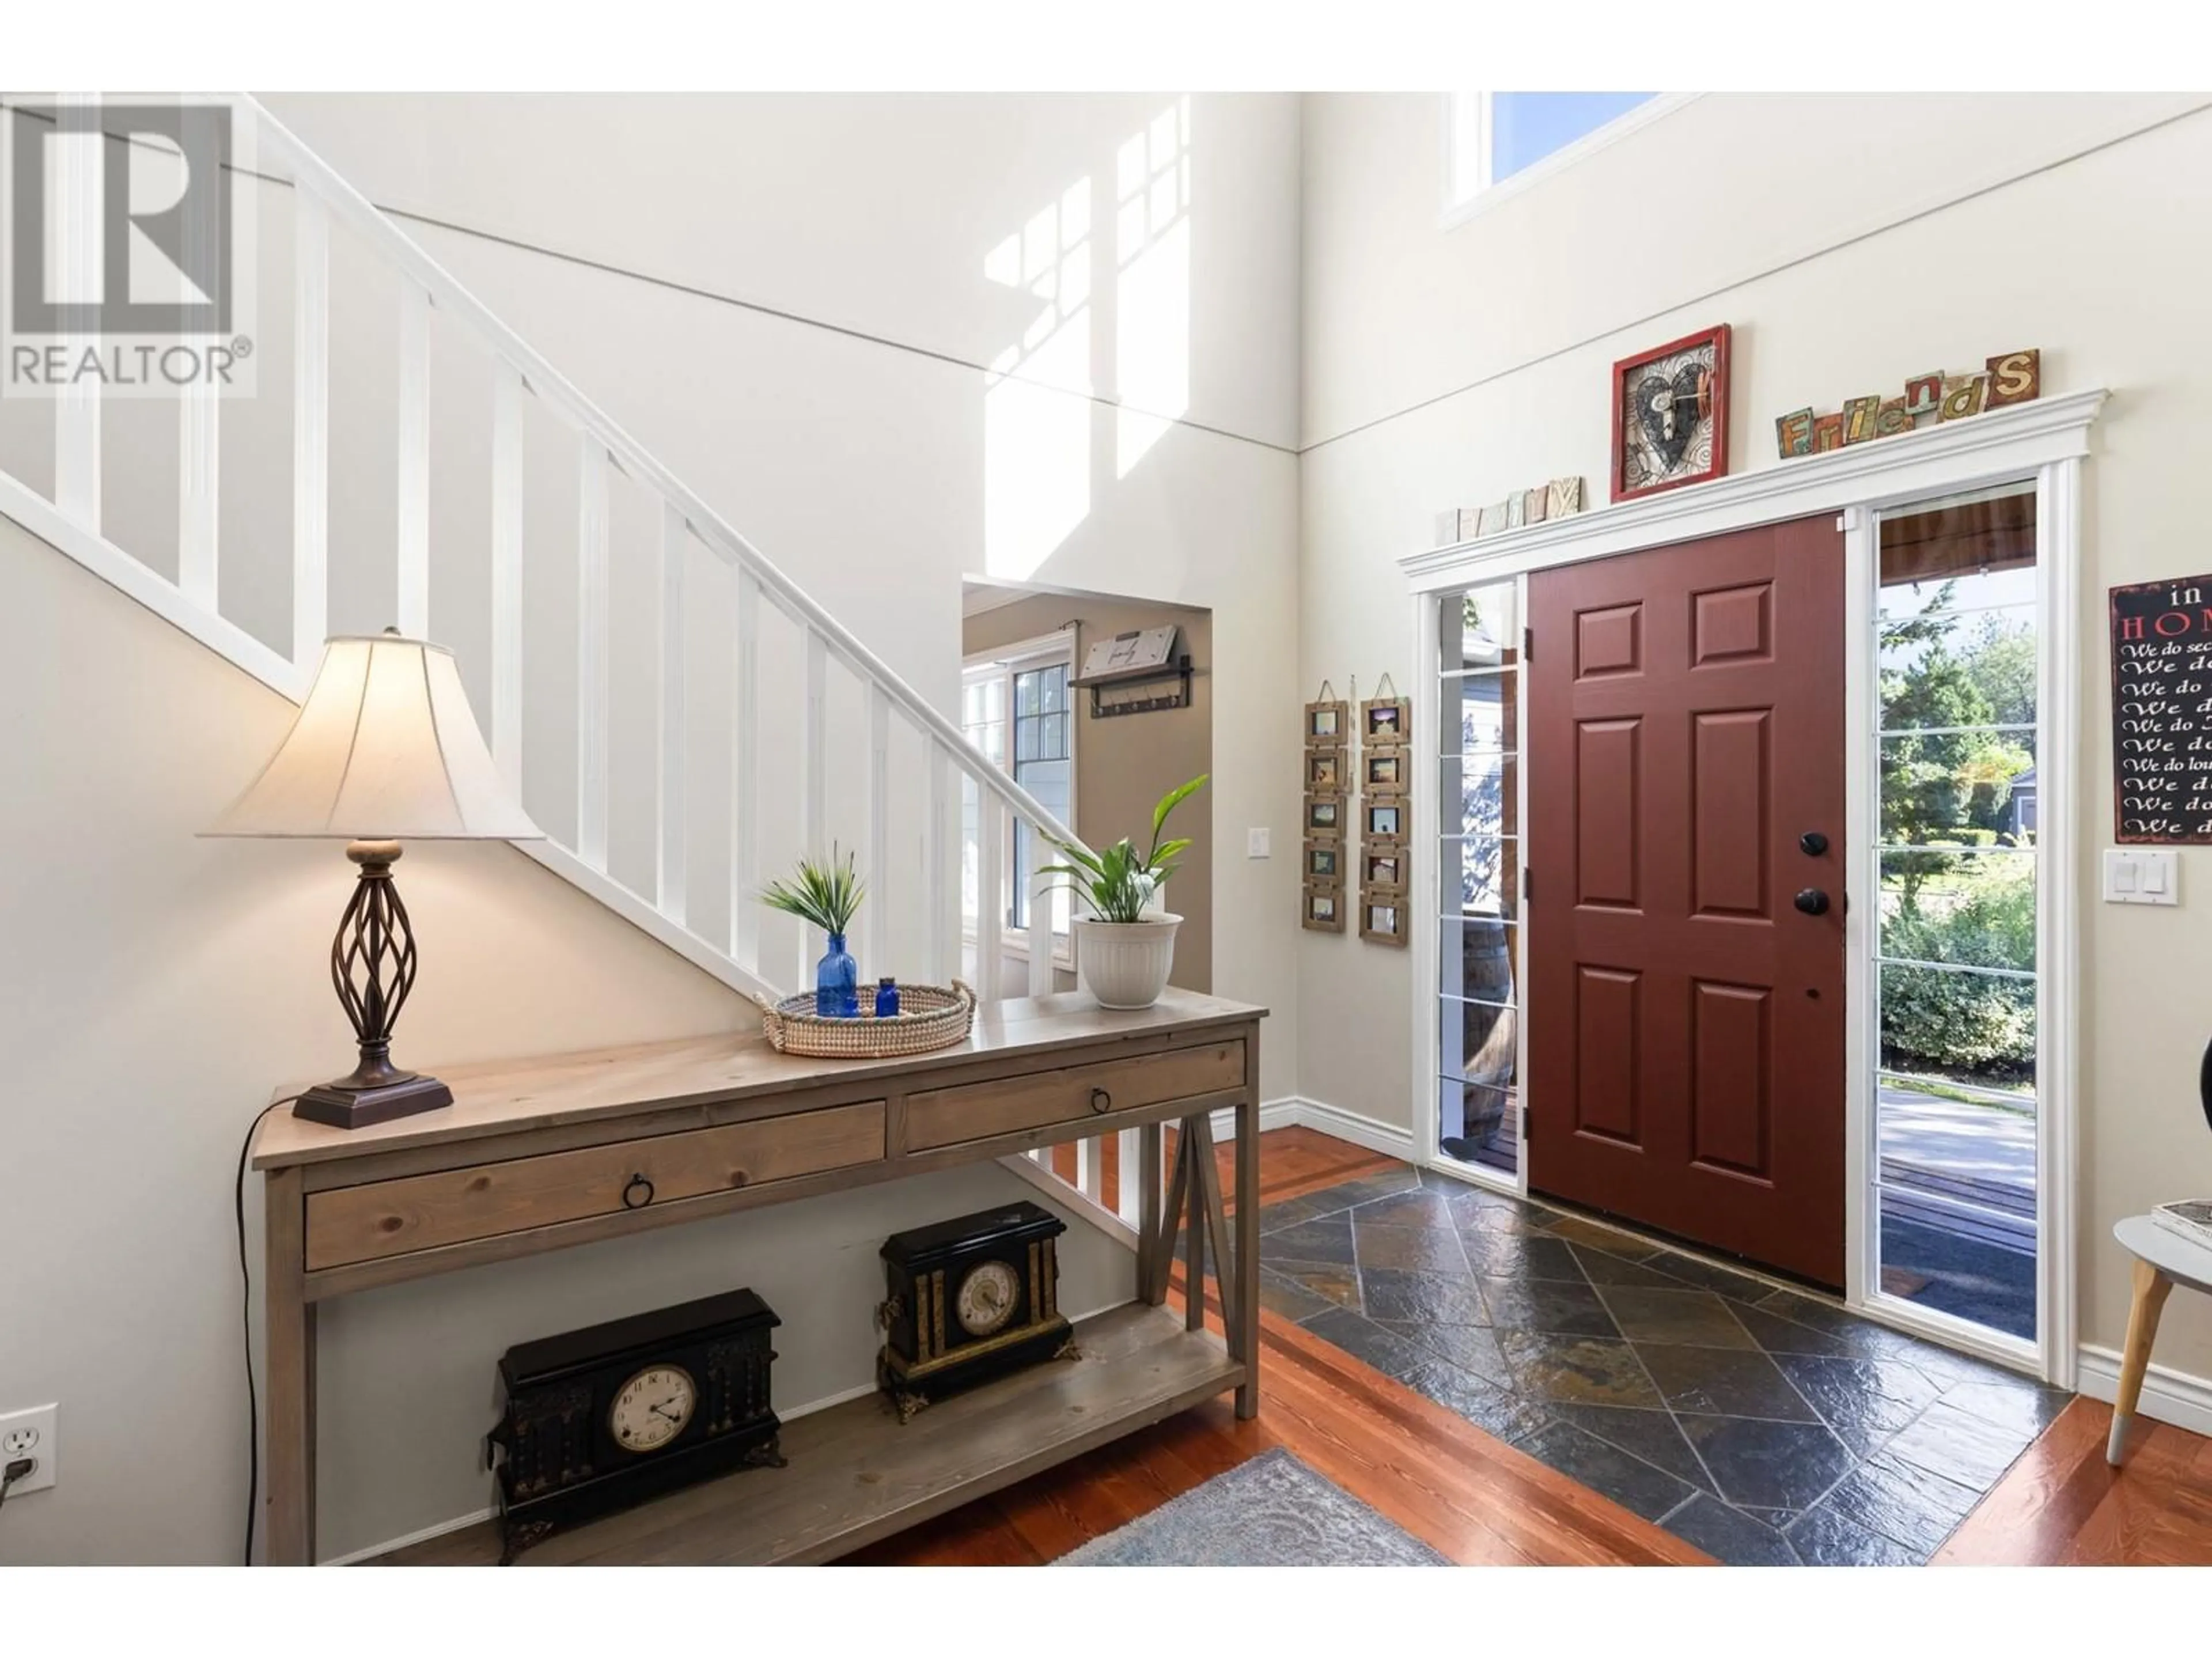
[1444, 368]
[160, 986]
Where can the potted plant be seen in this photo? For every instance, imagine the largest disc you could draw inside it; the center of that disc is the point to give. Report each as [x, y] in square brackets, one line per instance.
[827, 895]
[1124, 948]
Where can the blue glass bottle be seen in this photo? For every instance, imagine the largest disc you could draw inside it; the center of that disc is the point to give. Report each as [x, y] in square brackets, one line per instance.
[886, 997]
[837, 982]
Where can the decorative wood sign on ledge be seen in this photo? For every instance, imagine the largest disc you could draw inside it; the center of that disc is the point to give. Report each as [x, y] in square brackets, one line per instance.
[2162, 711]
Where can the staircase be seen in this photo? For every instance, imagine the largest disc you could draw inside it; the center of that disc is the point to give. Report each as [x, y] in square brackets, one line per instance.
[873, 765]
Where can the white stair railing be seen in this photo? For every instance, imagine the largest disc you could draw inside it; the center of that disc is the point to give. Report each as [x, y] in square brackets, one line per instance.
[953, 772]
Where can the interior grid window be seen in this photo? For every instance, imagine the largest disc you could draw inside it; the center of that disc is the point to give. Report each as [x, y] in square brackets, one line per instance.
[1018, 713]
[1042, 766]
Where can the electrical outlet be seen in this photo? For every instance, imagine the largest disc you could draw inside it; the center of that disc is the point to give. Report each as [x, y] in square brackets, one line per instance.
[34, 1434]
[1255, 843]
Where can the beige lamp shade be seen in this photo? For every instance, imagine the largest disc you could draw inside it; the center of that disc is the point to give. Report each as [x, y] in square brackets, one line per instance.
[385, 748]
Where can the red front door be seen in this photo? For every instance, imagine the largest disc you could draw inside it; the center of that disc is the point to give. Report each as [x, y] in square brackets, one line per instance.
[1686, 998]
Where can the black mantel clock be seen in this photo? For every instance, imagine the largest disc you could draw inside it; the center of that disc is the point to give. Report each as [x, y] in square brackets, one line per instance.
[603, 1418]
[970, 1299]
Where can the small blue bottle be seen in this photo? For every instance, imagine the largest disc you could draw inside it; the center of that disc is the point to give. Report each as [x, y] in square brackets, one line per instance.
[837, 983]
[886, 997]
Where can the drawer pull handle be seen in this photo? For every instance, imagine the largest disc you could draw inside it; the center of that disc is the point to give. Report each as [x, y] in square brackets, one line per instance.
[635, 1182]
[1101, 1101]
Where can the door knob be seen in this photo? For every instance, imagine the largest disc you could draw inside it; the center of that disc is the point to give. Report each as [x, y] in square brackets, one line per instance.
[1812, 843]
[1812, 900]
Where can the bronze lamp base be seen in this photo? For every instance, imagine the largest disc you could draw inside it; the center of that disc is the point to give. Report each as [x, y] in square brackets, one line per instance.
[344, 1106]
[372, 967]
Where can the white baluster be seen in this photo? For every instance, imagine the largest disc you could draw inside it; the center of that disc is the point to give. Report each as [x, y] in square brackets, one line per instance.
[744, 767]
[507, 483]
[1090, 1168]
[311, 426]
[199, 412]
[1129, 1162]
[76, 215]
[815, 825]
[876, 911]
[414, 617]
[990, 899]
[1040, 901]
[675, 550]
[591, 674]
[944, 873]
[816, 807]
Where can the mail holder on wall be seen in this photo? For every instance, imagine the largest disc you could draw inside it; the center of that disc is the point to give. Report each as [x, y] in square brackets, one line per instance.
[1138, 673]
[1326, 760]
[1386, 759]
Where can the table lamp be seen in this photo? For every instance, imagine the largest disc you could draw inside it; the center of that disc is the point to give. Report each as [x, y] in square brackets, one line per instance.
[384, 749]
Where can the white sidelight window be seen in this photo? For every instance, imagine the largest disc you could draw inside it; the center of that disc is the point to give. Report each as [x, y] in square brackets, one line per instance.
[1479, 877]
[1955, 972]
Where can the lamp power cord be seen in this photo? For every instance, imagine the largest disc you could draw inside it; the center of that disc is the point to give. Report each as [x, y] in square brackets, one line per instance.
[245, 1324]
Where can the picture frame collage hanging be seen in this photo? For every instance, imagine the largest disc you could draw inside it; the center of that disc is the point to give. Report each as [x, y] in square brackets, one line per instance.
[1328, 756]
[1386, 763]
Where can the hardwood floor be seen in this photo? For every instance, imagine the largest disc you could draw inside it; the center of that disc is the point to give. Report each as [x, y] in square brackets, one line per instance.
[2062, 1505]
[1293, 1162]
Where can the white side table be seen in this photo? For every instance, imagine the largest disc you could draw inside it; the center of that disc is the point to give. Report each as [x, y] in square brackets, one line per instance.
[2163, 1259]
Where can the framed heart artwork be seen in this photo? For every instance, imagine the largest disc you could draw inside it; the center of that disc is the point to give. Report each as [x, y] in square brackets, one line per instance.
[1670, 415]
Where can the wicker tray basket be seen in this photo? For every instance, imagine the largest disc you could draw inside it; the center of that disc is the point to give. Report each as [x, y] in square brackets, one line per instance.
[929, 1016]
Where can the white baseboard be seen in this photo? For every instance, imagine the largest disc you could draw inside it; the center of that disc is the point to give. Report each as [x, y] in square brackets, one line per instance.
[1298, 1111]
[2171, 1396]
[1273, 1115]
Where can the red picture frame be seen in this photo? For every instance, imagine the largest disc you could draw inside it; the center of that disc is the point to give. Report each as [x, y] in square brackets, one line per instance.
[1718, 390]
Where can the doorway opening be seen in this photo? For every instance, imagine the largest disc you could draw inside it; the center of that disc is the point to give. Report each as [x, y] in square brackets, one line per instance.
[1099, 769]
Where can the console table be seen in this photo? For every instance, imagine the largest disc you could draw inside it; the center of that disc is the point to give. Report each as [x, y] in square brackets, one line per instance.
[537, 1155]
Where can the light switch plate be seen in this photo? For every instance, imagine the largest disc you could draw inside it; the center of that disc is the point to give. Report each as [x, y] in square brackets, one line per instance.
[2142, 875]
[1256, 844]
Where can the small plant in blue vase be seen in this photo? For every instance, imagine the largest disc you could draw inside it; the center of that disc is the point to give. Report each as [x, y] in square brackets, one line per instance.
[826, 895]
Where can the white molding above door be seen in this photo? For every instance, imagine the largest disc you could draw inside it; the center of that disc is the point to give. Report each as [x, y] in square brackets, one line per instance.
[2006, 443]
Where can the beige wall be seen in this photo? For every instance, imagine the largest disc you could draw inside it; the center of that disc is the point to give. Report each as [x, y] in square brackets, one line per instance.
[161, 987]
[1962, 227]
[1124, 764]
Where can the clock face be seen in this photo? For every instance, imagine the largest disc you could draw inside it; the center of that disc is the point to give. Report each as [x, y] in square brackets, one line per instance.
[651, 1408]
[987, 1298]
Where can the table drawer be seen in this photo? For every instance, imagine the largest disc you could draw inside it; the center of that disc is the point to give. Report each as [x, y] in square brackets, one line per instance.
[942, 1117]
[420, 1213]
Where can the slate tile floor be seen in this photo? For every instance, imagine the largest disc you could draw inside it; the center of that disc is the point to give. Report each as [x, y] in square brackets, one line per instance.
[1763, 1425]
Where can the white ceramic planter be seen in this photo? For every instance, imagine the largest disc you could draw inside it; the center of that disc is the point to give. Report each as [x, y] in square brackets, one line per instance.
[1125, 963]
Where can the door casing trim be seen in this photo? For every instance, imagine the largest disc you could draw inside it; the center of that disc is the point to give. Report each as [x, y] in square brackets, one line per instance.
[2046, 441]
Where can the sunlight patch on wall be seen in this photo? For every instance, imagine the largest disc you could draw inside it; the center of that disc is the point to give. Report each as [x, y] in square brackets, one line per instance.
[1151, 294]
[1036, 438]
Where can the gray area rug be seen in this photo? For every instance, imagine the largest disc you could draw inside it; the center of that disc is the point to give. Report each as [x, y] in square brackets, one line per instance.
[1272, 1511]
